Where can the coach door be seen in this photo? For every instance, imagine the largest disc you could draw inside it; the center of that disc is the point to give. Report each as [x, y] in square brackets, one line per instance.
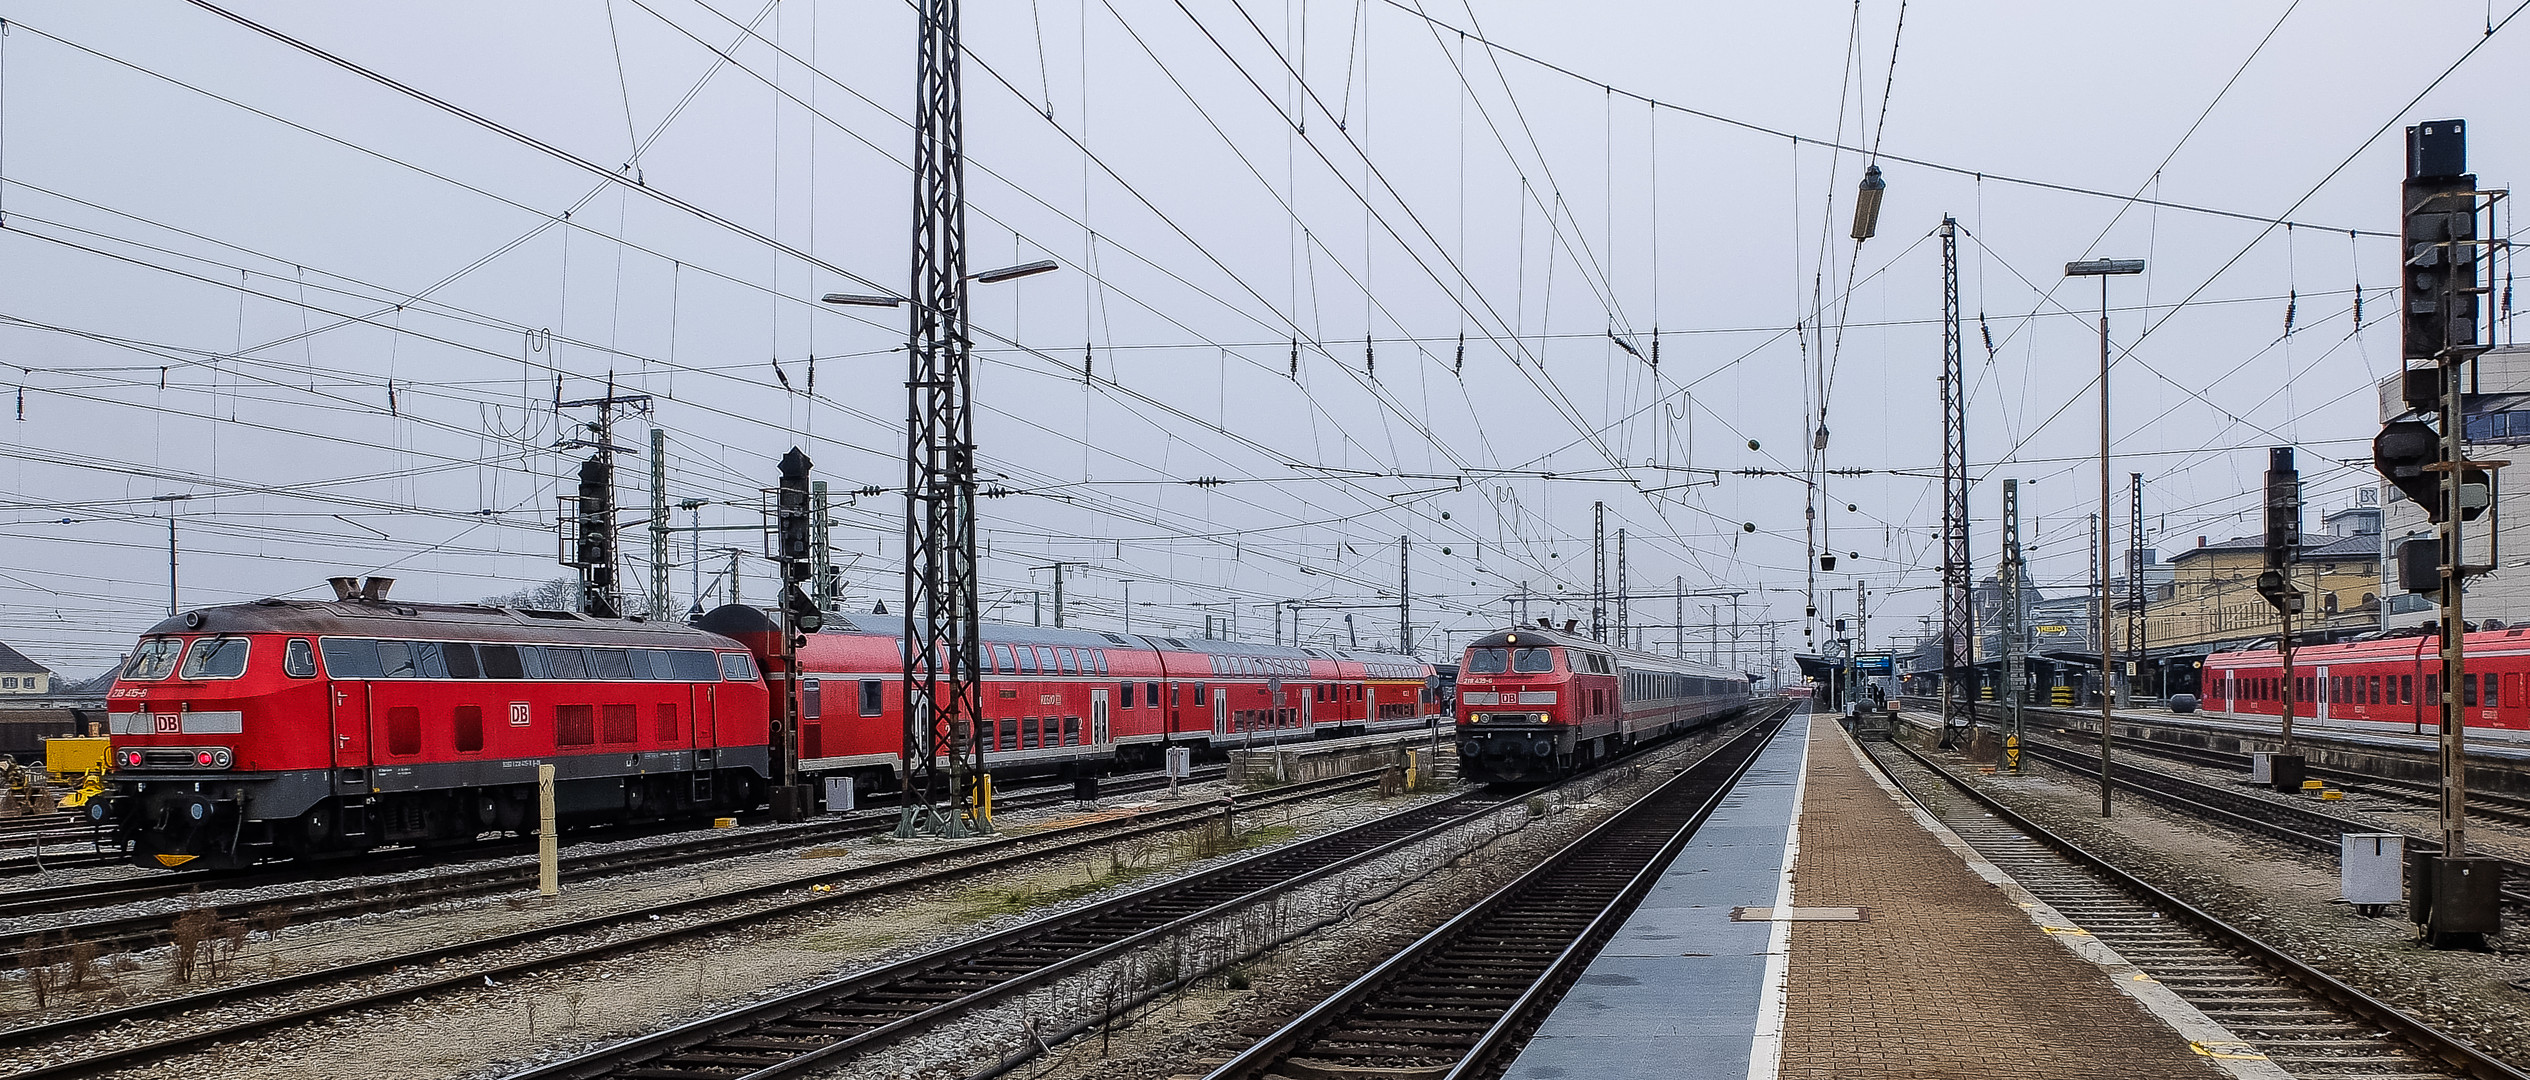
[1098, 717]
[351, 737]
[1308, 708]
[2320, 702]
[1221, 710]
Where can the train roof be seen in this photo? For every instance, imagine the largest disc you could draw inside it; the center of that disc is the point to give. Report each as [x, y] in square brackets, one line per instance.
[456, 622]
[1021, 634]
[1535, 636]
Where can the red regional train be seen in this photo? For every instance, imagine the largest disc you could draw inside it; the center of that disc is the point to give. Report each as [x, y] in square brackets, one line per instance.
[2382, 685]
[289, 728]
[1535, 703]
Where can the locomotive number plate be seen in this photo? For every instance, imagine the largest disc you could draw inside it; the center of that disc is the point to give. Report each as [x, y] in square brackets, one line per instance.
[518, 714]
[169, 723]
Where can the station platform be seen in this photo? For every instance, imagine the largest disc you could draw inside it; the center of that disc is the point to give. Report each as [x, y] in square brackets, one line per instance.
[1816, 926]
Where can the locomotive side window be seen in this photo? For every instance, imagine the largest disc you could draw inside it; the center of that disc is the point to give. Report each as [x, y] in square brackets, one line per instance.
[640, 661]
[567, 664]
[610, 664]
[214, 658]
[350, 658]
[696, 665]
[153, 659]
[735, 667]
[531, 659]
[298, 659]
[461, 659]
[395, 660]
[429, 660]
[1533, 660]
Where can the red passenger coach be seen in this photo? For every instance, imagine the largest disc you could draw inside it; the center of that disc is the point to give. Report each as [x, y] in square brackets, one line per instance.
[1065, 701]
[285, 728]
[2386, 684]
[1535, 703]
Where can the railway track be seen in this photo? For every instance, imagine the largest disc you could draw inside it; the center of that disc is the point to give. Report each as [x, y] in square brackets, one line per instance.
[1463, 998]
[823, 1026]
[469, 964]
[2494, 806]
[2238, 809]
[2293, 1014]
[140, 931]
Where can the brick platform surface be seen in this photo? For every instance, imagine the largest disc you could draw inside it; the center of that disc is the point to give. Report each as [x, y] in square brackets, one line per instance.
[1947, 978]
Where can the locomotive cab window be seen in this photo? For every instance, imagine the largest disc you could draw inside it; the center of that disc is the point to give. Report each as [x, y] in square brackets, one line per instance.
[1488, 661]
[214, 658]
[154, 659]
[1534, 660]
[298, 659]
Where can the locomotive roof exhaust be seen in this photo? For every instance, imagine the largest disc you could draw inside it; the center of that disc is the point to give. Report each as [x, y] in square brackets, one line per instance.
[373, 590]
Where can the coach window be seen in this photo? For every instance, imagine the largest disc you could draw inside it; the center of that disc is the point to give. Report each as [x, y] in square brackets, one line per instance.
[870, 700]
[1002, 661]
[1124, 691]
[1151, 694]
[2468, 691]
[1101, 654]
[1027, 660]
[1071, 664]
[2406, 689]
[735, 667]
[298, 659]
[1009, 733]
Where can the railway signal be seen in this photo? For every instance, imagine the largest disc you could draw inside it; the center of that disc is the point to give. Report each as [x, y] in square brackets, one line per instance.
[2275, 583]
[2452, 897]
[593, 540]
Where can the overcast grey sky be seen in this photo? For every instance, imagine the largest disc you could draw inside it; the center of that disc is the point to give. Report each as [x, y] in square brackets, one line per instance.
[334, 314]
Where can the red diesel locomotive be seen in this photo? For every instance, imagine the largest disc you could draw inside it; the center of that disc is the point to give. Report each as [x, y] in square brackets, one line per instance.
[2382, 685]
[1535, 703]
[288, 728]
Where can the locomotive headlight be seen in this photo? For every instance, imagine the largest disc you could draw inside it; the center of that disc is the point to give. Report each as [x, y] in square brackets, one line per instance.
[220, 758]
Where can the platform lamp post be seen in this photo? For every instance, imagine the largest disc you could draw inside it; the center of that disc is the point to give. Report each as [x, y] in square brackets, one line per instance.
[171, 501]
[2104, 269]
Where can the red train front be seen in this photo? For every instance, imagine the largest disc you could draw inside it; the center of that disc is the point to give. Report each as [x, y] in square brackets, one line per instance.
[1535, 703]
[286, 728]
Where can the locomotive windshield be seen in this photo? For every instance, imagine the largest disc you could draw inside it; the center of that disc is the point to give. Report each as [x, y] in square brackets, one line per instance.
[215, 658]
[1498, 661]
[154, 659]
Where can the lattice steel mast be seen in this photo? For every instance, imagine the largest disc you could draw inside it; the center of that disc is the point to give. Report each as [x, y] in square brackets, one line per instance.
[1958, 611]
[942, 681]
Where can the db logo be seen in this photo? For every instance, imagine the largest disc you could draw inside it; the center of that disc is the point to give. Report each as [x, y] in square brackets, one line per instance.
[170, 723]
[518, 714]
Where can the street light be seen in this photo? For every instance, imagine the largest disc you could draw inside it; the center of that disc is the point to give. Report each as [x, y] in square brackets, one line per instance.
[171, 500]
[988, 277]
[2104, 269]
